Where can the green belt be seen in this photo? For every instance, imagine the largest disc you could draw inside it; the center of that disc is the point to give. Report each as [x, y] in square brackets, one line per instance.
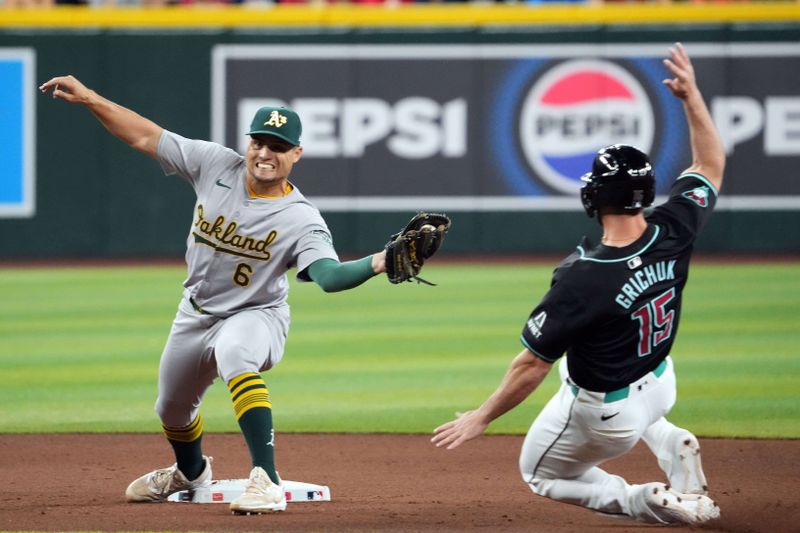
[621, 394]
[197, 307]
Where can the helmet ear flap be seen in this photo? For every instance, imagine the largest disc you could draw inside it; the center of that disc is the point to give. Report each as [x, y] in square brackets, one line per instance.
[650, 195]
[587, 195]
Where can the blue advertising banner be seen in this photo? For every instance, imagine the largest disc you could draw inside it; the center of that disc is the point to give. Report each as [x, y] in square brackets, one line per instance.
[17, 91]
[509, 127]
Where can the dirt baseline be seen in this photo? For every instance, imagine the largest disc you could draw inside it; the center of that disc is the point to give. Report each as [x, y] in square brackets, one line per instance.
[74, 482]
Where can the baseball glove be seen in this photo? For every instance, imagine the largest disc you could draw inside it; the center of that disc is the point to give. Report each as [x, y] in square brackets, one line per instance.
[408, 250]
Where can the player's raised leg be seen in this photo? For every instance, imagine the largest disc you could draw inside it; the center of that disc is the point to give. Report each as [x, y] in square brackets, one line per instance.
[678, 454]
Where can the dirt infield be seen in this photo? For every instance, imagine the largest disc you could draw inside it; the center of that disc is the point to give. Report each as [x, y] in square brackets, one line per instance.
[378, 483]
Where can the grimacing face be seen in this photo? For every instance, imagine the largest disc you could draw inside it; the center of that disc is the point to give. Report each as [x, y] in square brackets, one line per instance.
[270, 159]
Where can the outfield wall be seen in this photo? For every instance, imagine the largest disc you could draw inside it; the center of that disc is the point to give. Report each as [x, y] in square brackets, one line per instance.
[492, 119]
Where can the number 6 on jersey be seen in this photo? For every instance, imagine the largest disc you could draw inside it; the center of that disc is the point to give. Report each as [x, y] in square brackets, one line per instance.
[242, 275]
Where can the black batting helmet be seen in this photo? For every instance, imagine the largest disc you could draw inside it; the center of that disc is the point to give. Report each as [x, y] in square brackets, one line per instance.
[622, 179]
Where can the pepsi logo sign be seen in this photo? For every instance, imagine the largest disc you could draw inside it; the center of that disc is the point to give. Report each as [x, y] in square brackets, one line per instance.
[576, 108]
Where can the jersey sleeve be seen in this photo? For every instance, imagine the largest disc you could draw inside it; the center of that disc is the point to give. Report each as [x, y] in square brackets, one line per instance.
[692, 199]
[316, 243]
[189, 158]
[553, 324]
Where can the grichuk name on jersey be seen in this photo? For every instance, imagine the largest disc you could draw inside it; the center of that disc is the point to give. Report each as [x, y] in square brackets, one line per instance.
[226, 234]
[643, 279]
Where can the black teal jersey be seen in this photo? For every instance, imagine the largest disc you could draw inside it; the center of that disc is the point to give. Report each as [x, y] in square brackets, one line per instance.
[615, 311]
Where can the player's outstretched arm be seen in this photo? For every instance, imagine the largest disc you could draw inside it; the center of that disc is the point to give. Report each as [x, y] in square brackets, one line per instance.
[708, 154]
[128, 126]
[522, 378]
[333, 276]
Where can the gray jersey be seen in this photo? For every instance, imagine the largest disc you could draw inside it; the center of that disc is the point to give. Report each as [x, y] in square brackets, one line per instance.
[239, 248]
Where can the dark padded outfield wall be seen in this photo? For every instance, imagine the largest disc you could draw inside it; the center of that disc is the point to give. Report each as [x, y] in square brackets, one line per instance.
[493, 125]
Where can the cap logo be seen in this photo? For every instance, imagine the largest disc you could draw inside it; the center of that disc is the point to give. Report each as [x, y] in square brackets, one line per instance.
[275, 119]
[609, 163]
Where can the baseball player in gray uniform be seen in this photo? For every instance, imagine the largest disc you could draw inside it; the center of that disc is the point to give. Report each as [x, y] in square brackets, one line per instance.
[614, 309]
[250, 226]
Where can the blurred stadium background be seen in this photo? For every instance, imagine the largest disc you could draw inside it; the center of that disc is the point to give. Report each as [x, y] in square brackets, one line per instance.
[491, 112]
[488, 111]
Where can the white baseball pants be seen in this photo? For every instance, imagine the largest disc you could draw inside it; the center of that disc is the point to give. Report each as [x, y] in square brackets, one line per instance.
[578, 430]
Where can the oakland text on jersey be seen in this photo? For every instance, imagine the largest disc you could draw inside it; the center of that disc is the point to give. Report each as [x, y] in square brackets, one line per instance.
[644, 279]
[226, 234]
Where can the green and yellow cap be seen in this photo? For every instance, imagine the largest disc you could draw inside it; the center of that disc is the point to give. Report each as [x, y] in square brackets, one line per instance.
[282, 122]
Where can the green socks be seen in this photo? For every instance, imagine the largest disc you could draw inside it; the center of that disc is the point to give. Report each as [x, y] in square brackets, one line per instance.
[253, 409]
[185, 442]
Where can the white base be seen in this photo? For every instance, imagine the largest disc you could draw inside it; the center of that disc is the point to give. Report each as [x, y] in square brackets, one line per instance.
[226, 490]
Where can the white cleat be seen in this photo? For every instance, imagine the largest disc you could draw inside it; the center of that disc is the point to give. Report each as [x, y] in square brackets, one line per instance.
[159, 484]
[669, 506]
[261, 495]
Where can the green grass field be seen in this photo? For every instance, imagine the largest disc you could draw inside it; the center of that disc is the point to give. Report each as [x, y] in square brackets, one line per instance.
[79, 350]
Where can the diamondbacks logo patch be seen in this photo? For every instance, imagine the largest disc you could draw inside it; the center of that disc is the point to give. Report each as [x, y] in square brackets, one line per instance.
[698, 195]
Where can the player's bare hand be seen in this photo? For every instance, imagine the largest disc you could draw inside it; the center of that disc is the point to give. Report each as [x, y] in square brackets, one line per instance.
[67, 88]
[683, 84]
[379, 262]
[466, 427]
